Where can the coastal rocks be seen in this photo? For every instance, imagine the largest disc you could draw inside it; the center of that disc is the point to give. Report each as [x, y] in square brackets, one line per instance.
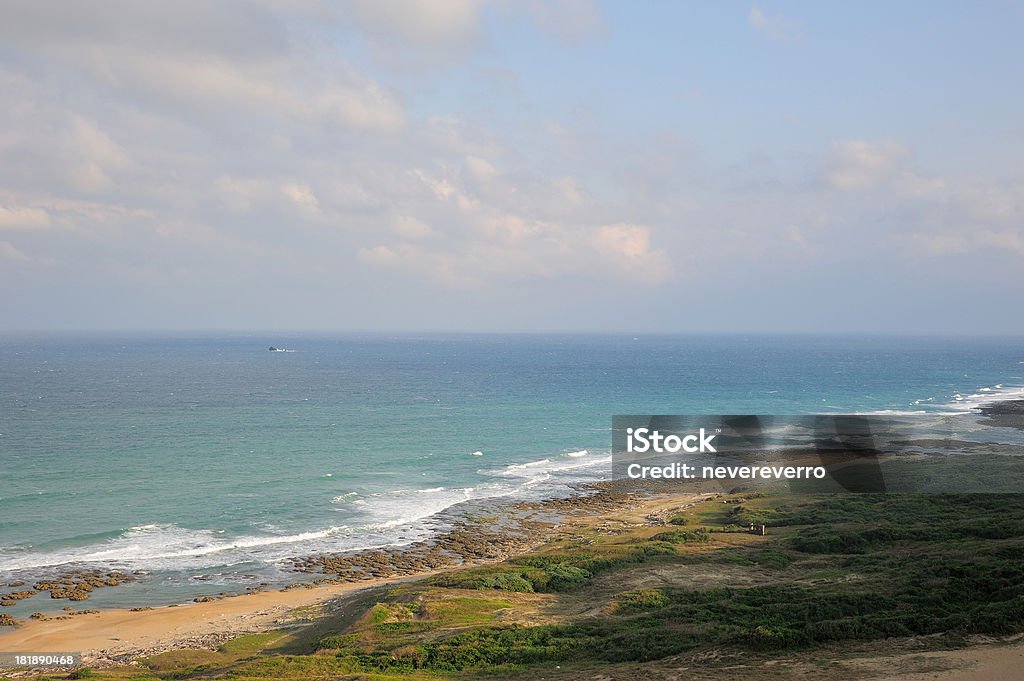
[517, 529]
[1004, 408]
[8, 621]
[18, 595]
[10, 598]
[71, 612]
[76, 586]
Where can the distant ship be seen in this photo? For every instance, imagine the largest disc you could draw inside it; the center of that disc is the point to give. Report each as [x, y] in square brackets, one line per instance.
[273, 349]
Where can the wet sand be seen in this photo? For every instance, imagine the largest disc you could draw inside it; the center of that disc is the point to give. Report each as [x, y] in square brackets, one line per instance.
[117, 635]
[111, 634]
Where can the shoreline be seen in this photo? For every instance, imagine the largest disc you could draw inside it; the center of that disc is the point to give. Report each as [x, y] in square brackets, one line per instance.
[116, 636]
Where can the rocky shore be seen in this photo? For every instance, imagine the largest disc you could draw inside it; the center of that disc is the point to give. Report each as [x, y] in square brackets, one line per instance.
[1004, 408]
[507, 531]
[75, 585]
[514, 529]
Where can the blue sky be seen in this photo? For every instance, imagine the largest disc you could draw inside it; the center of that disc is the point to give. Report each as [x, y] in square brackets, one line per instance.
[512, 166]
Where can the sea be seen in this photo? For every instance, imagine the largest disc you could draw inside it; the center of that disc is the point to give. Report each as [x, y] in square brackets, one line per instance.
[203, 463]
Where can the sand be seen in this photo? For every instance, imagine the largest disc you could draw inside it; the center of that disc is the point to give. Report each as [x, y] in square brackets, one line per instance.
[113, 633]
[996, 662]
[114, 636]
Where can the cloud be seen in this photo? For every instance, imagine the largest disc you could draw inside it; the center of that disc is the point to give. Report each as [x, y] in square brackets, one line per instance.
[18, 218]
[570, 21]
[420, 34]
[426, 23]
[1012, 240]
[856, 165]
[480, 170]
[408, 227]
[210, 57]
[628, 249]
[416, 34]
[302, 196]
[436, 267]
[196, 148]
[286, 88]
[9, 252]
[525, 232]
[775, 27]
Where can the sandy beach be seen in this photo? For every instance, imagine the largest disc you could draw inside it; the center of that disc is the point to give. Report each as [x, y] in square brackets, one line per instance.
[111, 638]
[119, 635]
[111, 634]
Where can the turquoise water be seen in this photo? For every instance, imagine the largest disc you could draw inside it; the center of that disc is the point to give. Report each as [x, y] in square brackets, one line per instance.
[205, 462]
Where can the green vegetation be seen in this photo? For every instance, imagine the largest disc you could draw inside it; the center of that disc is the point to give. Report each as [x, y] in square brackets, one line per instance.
[700, 535]
[832, 570]
[558, 572]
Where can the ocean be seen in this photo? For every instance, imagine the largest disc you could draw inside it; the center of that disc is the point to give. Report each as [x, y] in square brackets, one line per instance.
[203, 463]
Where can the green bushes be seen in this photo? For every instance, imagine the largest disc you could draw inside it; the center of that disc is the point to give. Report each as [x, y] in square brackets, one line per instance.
[337, 642]
[559, 572]
[700, 535]
[524, 579]
[892, 565]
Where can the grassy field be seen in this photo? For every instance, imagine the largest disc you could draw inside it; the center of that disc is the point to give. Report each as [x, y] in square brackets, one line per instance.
[629, 597]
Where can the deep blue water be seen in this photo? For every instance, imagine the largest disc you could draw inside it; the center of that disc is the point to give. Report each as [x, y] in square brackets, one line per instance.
[202, 460]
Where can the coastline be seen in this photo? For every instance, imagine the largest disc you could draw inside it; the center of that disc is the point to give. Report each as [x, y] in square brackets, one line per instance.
[112, 639]
[115, 636]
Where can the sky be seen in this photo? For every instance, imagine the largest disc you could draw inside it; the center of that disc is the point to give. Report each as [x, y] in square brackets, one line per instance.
[540, 165]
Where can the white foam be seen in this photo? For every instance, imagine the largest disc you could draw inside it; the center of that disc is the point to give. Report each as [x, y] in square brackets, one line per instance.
[164, 546]
[543, 468]
[383, 518]
[404, 507]
[986, 395]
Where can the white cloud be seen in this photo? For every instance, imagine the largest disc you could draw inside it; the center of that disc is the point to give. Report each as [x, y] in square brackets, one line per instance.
[1012, 240]
[477, 240]
[857, 165]
[480, 170]
[568, 190]
[939, 244]
[239, 195]
[285, 88]
[571, 21]
[775, 26]
[408, 227]
[628, 248]
[409, 259]
[19, 218]
[211, 57]
[437, 24]
[302, 196]
[9, 252]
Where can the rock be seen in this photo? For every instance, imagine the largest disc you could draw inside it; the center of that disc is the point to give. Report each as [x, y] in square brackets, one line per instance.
[18, 595]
